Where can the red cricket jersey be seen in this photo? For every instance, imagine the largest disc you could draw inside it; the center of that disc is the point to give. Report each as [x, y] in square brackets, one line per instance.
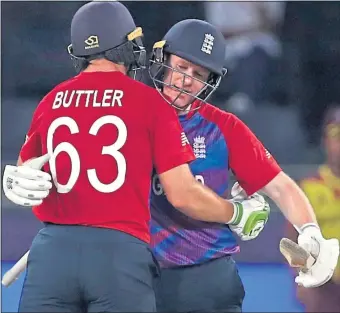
[105, 132]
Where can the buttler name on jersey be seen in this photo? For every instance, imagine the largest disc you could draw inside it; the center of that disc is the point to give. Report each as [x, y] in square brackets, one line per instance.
[90, 98]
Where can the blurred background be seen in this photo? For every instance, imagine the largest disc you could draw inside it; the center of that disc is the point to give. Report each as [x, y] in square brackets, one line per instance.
[284, 72]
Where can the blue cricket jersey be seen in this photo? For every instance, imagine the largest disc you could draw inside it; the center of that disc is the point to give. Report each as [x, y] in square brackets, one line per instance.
[177, 239]
[220, 142]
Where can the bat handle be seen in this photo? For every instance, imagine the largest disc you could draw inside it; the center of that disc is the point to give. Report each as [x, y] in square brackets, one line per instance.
[14, 272]
[296, 255]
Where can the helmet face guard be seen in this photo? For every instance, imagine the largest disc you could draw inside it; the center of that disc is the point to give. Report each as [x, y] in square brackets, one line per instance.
[131, 54]
[159, 68]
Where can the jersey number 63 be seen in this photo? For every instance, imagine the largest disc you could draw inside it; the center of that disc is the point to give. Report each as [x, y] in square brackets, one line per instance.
[112, 150]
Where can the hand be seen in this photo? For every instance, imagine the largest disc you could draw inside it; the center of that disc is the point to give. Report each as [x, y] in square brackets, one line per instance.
[251, 213]
[325, 253]
[26, 184]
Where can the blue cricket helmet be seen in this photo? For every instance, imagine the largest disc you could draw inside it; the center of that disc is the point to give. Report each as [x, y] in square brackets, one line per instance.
[106, 30]
[196, 41]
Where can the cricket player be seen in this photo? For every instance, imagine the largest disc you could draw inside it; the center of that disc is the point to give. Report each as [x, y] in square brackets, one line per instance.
[89, 153]
[198, 273]
[323, 191]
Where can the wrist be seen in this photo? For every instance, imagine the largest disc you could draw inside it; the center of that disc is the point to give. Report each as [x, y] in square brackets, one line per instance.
[311, 229]
[309, 226]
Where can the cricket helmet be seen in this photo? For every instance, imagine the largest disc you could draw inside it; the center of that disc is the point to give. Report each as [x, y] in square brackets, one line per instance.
[196, 41]
[106, 30]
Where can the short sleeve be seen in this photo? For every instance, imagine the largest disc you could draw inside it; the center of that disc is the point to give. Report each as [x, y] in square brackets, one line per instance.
[170, 146]
[251, 163]
[32, 146]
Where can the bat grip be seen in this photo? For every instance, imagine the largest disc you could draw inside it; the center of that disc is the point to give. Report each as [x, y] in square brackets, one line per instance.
[296, 255]
[14, 272]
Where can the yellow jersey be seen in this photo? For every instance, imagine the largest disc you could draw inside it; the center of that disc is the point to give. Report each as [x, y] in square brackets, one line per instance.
[323, 191]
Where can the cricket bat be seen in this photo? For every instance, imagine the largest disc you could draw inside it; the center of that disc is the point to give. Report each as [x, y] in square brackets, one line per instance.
[14, 272]
[296, 255]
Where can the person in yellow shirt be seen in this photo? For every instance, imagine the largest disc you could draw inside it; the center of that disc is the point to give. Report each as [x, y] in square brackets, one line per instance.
[323, 191]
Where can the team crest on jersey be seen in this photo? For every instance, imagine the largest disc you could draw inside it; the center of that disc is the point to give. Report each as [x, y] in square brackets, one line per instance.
[199, 147]
[208, 43]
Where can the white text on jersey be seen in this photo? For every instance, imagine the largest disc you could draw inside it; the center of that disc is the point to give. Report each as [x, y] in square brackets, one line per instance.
[157, 188]
[90, 98]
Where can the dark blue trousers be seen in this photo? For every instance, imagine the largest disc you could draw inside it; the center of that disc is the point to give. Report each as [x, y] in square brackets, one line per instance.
[85, 269]
[214, 286]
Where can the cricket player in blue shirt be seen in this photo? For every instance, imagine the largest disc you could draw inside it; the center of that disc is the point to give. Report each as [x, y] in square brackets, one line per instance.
[198, 273]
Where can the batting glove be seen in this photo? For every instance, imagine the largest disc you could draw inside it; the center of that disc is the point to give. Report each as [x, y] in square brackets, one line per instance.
[26, 184]
[325, 252]
[251, 213]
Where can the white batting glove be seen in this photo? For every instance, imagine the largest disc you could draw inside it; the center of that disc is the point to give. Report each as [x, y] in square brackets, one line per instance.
[251, 213]
[325, 253]
[26, 184]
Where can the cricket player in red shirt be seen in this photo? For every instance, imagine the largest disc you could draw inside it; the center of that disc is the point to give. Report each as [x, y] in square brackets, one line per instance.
[97, 137]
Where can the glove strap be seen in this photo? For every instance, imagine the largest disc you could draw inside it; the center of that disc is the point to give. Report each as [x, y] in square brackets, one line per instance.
[304, 226]
[238, 213]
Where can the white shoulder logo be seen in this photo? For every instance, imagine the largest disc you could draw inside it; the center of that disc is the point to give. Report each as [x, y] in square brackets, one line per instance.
[208, 43]
[267, 153]
[184, 139]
